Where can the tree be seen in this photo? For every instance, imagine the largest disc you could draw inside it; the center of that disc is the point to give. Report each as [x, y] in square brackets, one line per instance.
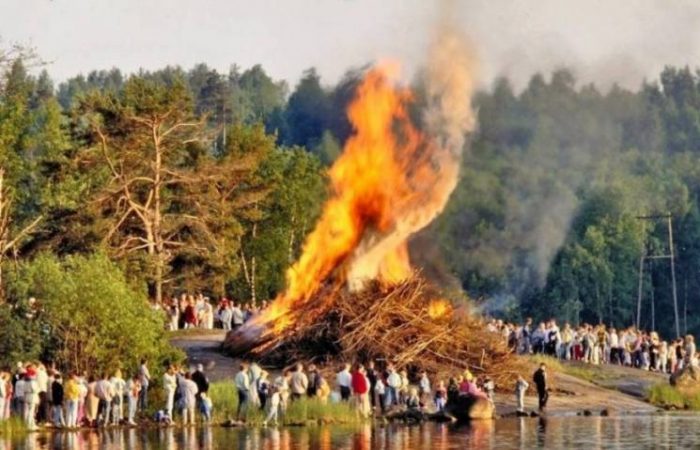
[150, 141]
[307, 111]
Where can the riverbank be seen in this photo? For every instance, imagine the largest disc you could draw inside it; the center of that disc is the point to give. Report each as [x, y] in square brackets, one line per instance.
[578, 387]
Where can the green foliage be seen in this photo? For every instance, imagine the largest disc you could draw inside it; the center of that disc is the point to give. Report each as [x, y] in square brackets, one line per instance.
[89, 317]
[665, 395]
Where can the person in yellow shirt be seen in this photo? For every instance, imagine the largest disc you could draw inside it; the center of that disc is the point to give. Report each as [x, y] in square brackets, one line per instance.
[71, 394]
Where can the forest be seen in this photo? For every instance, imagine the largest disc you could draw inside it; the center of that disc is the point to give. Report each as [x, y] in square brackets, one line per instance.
[195, 180]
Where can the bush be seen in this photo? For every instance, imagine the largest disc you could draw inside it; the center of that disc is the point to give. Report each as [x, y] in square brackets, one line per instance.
[90, 317]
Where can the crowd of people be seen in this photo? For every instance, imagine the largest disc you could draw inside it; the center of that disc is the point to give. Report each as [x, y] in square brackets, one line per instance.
[198, 311]
[598, 344]
[369, 390]
[41, 396]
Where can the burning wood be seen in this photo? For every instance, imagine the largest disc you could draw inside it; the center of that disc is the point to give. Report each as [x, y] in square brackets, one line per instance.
[352, 294]
[399, 323]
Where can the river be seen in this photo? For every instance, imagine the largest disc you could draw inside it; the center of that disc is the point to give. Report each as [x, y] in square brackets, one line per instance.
[625, 432]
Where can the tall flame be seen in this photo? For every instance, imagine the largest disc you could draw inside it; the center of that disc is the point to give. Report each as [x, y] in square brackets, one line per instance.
[390, 181]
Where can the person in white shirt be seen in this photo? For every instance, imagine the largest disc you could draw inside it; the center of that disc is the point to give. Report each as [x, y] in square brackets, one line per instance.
[238, 317]
[169, 386]
[424, 385]
[31, 400]
[273, 404]
[242, 382]
[104, 391]
[225, 316]
[133, 393]
[145, 379]
[298, 383]
[282, 386]
[4, 377]
[394, 383]
[344, 381]
[119, 388]
[189, 400]
[18, 395]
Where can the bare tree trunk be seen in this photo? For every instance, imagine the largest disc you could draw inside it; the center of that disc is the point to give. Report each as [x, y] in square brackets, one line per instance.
[252, 269]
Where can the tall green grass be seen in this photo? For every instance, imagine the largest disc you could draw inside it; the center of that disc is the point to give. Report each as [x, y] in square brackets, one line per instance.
[14, 426]
[665, 395]
[301, 412]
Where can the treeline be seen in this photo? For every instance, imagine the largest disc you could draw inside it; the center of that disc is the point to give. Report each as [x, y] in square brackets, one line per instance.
[196, 179]
[545, 220]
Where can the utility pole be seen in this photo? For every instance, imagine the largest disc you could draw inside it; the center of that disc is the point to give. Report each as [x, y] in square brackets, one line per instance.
[670, 256]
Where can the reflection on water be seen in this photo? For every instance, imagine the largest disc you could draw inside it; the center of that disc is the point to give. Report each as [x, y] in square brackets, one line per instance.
[666, 431]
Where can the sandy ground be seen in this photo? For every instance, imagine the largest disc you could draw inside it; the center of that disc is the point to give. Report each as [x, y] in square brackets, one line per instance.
[617, 389]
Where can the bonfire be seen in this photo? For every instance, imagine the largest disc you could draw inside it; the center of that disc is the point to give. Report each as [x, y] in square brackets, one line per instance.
[353, 295]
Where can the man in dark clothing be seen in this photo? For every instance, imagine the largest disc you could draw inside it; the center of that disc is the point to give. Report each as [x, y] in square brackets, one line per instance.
[372, 377]
[315, 380]
[57, 401]
[200, 380]
[540, 379]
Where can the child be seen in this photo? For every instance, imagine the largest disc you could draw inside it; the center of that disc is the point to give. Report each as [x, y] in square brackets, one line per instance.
[440, 396]
[273, 405]
[206, 406]
[520, 387]
[489, 387]
[413, 401]
[380, 391]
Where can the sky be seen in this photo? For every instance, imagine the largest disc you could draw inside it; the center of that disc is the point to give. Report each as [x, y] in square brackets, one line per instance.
[611, 41]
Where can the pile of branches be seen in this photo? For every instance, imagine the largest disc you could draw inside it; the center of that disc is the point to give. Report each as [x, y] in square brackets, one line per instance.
[393, 324]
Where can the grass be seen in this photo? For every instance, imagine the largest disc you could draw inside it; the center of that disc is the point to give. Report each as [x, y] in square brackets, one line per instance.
[300, 412]
[666, 396]
[589, 372]
[14, 426]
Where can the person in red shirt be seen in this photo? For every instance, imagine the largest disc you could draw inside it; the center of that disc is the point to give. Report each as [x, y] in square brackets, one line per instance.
[360, 389]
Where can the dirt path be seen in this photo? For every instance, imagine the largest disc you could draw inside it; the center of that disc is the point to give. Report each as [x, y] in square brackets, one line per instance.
[620, 390]
[205, 348]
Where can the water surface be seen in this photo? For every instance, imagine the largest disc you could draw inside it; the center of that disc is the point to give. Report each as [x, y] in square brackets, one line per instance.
[627, 432]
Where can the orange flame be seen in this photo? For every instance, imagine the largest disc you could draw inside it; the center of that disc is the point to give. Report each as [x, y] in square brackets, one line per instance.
[389, 182]
[439, 308]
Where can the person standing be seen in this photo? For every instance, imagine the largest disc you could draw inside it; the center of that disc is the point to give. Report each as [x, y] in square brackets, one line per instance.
[237, 316]
[372, 377]
[169, 386]
[133, 389]
[360, 387]
[57, 397]
[299, 383]
[393, 385]
[105, 393]
[273, 407]
[344, 381]
[4, 397]
[31, 399]
[200, 378]
[540, 379]
[242, 382]
[189, 399]
[315, 382]
[424, 385]
[520, 388]
[145, 379]
[119, 388]
[71, 394]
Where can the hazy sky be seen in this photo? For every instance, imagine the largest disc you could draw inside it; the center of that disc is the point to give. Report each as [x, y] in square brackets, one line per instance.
[602, 40]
